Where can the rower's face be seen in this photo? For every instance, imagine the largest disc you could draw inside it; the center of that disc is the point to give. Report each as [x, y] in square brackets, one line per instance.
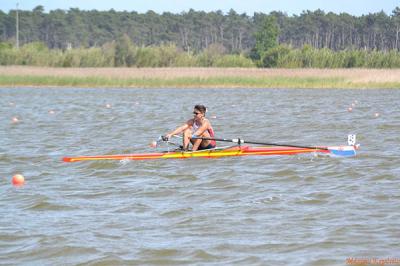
[197, 114]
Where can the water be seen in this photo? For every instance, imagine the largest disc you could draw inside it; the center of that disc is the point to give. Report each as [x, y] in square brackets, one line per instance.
[288, 210]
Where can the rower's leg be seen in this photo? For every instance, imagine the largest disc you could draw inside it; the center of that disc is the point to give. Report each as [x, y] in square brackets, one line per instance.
[196, 143]
[199, 142]
[187, 134]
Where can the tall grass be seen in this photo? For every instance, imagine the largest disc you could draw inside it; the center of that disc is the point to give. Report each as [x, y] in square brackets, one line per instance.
[308, 57]
[123, 53]
[191, 82]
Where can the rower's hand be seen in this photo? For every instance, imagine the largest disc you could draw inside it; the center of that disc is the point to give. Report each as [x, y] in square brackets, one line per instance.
[165, 138]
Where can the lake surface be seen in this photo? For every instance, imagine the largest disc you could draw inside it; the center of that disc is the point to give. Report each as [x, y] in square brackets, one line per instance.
[281, 210]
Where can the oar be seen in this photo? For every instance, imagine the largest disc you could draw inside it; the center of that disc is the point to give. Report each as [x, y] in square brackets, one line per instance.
[160, 139]
[241, 141]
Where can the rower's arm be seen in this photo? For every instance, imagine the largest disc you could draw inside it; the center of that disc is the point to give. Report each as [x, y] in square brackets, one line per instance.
[178, 130]
[201, 129]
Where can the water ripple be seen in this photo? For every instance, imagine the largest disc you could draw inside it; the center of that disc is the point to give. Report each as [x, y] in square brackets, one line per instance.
[280, 210]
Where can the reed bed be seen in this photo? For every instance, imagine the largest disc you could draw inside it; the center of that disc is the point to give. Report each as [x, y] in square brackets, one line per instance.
[18, 76]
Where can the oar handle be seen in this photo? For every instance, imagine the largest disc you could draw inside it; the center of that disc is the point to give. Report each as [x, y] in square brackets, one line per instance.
[238, 140]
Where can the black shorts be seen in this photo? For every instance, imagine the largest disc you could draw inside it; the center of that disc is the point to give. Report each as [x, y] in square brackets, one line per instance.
[208, 147]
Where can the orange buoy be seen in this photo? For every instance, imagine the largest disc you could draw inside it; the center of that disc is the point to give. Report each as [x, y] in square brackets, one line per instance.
[18, 180]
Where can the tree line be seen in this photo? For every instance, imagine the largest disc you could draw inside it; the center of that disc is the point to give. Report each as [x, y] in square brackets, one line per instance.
[197, 30]
[77, 38]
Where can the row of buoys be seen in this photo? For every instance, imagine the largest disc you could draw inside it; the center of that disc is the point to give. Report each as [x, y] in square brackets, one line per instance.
[18, 180]
[16, 119]
[354, 104]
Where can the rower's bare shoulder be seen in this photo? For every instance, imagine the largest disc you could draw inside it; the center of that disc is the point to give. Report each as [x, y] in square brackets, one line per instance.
[207, 121]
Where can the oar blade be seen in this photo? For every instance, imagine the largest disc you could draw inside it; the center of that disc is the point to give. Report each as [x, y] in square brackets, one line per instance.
[342, 151]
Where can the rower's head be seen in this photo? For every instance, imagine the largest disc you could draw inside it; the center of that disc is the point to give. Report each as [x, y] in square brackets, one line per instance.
[199, 110]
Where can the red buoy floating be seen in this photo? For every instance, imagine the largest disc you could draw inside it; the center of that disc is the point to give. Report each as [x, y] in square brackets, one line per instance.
[18, 180]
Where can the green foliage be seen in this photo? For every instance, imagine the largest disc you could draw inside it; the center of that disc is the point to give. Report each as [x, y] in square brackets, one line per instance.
[147, 57]
[208, 56]
[194, 31]
[123, 53]
[93, 57]
[7, 54]
[309, 57]
[167, 55]
[233, 61]
[33, 54]
[5, 45]
[185, 60]
[71, 58]
[267, 36]
[272, 57]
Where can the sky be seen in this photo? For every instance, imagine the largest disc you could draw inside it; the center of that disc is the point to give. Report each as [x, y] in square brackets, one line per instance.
[353, 7]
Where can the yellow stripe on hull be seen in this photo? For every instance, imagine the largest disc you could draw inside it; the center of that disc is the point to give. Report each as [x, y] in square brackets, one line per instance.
[229, 152]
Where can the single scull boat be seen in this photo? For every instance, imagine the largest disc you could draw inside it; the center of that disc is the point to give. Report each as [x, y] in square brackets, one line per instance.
[239, 150]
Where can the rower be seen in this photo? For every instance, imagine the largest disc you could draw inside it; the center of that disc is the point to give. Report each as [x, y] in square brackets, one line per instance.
[194, 130]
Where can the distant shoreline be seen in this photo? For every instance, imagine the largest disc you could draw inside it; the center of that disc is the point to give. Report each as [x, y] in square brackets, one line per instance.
[27, 76]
